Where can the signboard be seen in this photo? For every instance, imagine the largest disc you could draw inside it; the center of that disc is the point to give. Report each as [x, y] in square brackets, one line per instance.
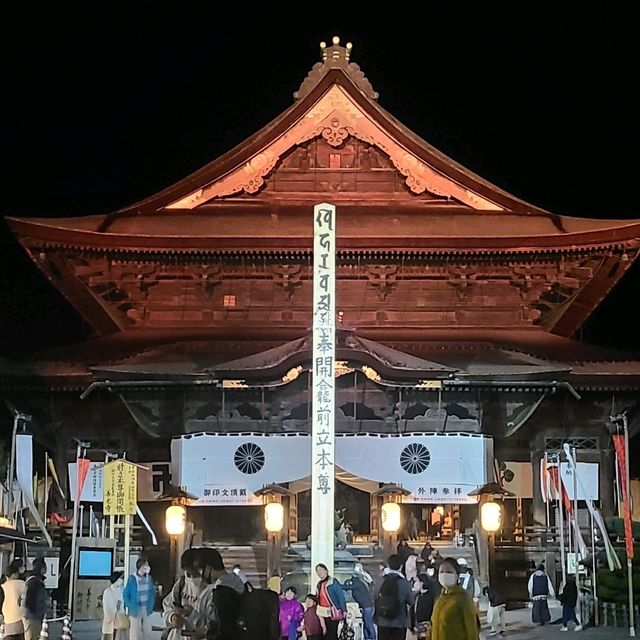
[441, 494]
[216, 494]
[589, 480]
[323, 385]
[153, 480]
[120, 488]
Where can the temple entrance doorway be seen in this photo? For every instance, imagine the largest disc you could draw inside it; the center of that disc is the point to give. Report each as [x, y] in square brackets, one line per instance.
[354, 502]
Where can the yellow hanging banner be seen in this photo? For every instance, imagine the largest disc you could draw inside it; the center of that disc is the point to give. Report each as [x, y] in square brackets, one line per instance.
[120, 484]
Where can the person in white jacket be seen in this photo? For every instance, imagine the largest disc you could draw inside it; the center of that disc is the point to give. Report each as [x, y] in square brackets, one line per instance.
[10, 596]
[181, 606]
[114, 618]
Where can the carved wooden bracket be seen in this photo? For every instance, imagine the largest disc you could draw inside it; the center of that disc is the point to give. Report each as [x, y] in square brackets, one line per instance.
[382, 277]
[288, 277]
[461, 278]
[211, 278]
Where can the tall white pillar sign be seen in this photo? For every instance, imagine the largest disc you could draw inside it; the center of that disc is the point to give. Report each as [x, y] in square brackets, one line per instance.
[323, 386]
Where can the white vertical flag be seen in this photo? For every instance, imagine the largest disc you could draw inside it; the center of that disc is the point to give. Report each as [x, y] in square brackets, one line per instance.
[24, 475]
[323, 386]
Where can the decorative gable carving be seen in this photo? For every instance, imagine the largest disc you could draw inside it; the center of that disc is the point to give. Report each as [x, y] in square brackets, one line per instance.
[335, 118]
[356, 167]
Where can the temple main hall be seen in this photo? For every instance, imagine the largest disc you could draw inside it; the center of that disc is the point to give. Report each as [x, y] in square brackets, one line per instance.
[458, 306]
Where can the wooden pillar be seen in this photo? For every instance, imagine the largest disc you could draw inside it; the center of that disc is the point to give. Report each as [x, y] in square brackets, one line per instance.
[293, 517]
[274, 554]
[374, 517]
[539, 508]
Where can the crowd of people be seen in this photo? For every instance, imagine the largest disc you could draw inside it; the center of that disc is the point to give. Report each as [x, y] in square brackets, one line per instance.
[433, 597]
[23, 600]
[436, 597]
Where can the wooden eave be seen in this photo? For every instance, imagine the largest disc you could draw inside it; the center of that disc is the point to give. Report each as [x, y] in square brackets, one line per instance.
[60, 233]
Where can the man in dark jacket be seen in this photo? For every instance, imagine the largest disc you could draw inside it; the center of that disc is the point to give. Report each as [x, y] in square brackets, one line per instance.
[360, 592]
[394, 612]
[569, 598]
[34, 602]
[540, 590]
[497, 607]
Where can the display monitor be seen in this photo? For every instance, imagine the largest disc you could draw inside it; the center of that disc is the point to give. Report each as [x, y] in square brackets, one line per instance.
[95, 563]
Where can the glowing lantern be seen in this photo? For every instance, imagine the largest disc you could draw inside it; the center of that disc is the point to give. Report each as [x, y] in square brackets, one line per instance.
[274, 517]
[491, 516]
[391, 516]
[175, 519]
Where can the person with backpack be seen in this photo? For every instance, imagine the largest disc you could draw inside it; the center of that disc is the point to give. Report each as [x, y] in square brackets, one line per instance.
[34, 600]
[180, 608]
[231, 610]
[332, 605]
[454, 614]
[540, 589]
[10, 595]
[393, 610]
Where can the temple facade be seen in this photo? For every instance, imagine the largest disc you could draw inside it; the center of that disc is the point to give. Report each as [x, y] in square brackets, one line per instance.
[458, 306]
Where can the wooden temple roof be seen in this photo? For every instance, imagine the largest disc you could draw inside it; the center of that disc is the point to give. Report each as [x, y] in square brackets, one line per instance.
[432, 259]
[521, 358]
[335, 143]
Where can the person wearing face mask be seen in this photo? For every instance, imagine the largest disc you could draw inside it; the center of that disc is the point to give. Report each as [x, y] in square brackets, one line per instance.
[180, 608]
[138, 599]
[114, 620]
[454, 614]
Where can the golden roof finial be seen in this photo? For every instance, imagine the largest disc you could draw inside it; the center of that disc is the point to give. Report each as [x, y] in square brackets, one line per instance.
[335, 51]
[336, 56]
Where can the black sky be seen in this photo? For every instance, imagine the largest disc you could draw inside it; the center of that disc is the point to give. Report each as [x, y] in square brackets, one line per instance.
[103, 107]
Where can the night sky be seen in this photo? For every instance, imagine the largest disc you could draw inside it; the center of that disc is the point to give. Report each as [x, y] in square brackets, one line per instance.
[101, 109]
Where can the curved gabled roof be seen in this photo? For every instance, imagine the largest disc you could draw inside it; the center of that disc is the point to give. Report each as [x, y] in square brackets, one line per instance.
[225, 205]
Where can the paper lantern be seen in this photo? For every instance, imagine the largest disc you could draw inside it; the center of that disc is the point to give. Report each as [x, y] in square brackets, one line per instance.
[274, 517]
[491, 516]
[175, 519]
[391, 516]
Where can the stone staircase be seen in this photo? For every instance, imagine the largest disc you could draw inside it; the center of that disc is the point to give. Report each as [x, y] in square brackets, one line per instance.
[253, 558]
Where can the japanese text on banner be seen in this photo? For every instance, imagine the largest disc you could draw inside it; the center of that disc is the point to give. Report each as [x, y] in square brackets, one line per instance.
[120, 488]
[323, 349]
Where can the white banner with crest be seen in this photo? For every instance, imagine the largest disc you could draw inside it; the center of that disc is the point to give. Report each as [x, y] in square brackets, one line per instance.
[436, 468]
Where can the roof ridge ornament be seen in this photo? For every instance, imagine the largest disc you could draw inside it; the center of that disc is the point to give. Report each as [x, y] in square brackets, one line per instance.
[336, 57]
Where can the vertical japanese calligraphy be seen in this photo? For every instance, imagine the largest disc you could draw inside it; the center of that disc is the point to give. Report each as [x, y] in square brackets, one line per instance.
[120, 488]
[323, 386]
